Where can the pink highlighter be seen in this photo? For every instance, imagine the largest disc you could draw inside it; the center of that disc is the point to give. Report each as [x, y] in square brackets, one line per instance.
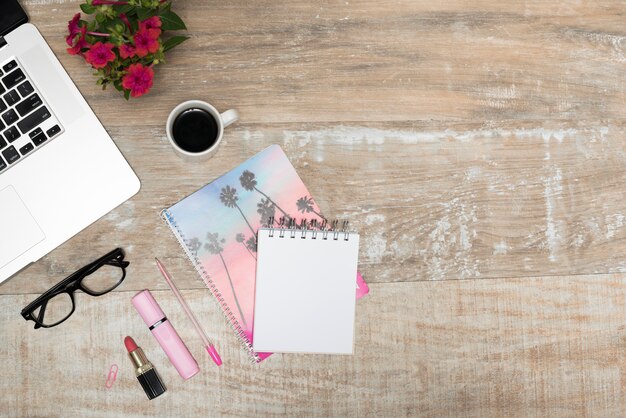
[165, 334]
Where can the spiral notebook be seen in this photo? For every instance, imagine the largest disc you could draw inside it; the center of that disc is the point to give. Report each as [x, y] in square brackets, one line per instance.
[305, 291]
[217, 226]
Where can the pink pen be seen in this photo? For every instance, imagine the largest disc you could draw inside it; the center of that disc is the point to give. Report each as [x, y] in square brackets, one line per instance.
[165, 334]
[208, 344]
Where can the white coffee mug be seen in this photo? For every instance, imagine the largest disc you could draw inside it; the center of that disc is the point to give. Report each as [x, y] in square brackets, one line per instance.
[222, 119]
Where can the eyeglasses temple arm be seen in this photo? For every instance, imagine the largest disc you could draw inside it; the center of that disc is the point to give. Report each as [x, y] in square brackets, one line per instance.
[41, 314]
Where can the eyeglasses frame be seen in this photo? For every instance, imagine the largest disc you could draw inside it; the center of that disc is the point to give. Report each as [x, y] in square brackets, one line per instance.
[71, 284]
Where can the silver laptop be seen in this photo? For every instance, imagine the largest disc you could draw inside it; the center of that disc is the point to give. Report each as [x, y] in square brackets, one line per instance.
[59, 169]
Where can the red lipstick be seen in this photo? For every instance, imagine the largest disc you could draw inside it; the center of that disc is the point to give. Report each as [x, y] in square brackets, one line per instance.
[130, 344]
[144, 370]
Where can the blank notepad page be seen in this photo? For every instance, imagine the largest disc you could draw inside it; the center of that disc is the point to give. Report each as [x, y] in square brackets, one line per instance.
[305, 291]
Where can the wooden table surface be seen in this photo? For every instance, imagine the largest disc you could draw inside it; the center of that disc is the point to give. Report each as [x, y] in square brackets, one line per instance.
[479, 148]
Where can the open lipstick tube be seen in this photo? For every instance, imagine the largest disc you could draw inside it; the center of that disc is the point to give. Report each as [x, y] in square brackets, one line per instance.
[144, 370]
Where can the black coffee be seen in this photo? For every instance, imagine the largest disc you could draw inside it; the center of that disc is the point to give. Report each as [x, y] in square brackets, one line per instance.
[195, 130]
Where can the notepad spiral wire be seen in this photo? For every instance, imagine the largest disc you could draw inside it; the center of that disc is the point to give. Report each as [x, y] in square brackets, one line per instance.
[293, 229]
[206, 278]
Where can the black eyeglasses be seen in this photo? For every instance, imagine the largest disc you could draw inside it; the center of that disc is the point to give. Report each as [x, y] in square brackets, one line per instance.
[95, 279]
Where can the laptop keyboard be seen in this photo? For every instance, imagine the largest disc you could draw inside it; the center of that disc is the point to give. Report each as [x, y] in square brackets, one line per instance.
[26, 122]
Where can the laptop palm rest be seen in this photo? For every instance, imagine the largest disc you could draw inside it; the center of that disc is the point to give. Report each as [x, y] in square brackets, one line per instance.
[19, 231]
[38, 65]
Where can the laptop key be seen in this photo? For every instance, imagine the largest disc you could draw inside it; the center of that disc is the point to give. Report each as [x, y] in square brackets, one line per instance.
[35, 132]
[11, 154]
[25, 88]
[10, 66]
[11, 134]
[3, 165]
[3, 106]
[27, 148]
[40, 138]
[3, 143]
[33, 120]
[9, 117]
[11, 97]
[28, 105]
[11, 79]
[53, 131]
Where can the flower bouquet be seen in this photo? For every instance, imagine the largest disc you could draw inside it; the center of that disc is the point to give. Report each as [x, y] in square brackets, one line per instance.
[124, 41]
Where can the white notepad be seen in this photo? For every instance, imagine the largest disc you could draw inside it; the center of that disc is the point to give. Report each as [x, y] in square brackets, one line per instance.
[305, 291]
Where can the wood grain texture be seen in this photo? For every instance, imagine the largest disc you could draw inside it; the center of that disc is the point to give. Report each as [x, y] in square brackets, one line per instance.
[551, 346]
[378, 60]
[434, 202]
[464, 140]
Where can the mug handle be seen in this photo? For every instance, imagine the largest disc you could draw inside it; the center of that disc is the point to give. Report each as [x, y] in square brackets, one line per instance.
[229, 117]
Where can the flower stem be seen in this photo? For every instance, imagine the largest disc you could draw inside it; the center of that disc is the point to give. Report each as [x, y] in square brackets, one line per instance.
[98, 34]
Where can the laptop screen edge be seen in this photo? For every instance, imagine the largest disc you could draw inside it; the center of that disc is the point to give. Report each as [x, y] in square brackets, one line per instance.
[12, 15]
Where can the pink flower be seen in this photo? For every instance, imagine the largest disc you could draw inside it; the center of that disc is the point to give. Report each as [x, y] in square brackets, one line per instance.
[99, 55]
[138, 80]
[81, 43]
[145, 43]
[73, 29]
[127, 51]
[152, 25]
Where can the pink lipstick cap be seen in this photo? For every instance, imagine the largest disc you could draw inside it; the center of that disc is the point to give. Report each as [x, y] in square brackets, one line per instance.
[148, 308]
[165, 334]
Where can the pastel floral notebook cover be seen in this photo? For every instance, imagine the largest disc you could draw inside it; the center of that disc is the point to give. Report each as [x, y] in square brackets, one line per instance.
[217, 226]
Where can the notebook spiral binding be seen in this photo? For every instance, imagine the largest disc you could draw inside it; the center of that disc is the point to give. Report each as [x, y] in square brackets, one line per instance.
[230, 317]
[291, 229]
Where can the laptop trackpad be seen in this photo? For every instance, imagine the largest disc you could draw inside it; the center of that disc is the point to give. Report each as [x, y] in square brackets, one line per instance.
[19, 232]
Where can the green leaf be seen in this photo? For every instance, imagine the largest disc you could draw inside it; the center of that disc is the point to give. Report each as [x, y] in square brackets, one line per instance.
[171, 21]
[143, 14]
[124, 8]
[88, 8]
[127, 94]
[115, 26]
[173, 41]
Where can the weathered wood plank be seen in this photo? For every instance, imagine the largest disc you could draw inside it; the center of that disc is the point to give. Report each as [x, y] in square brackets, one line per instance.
[459, 201]
[385, 61]
[458, 348]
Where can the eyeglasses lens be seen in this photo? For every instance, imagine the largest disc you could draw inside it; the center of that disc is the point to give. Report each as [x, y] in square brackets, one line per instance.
[104, 279]
[56, 310]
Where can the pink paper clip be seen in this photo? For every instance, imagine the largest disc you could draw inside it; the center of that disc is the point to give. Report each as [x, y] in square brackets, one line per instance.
[111, 377]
